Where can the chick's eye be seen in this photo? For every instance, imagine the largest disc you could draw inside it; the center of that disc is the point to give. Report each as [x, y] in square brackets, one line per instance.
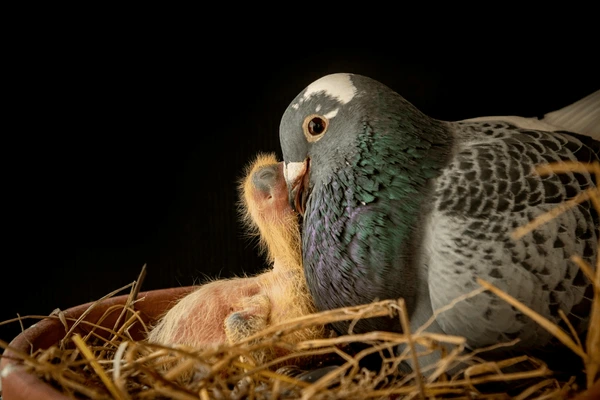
[316, 126]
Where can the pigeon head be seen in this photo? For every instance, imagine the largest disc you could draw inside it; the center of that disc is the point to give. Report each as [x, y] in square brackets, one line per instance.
[320, 129]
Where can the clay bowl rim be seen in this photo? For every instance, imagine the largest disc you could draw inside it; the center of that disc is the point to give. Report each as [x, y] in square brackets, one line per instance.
[18, 384]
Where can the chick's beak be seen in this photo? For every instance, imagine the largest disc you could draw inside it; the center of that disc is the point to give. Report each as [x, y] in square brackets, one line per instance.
[296, 178]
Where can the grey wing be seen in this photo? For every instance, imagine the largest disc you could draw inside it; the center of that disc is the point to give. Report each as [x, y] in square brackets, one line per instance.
[490, 189]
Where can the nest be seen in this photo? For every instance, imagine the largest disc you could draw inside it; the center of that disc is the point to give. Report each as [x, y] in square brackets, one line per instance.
[107, 363]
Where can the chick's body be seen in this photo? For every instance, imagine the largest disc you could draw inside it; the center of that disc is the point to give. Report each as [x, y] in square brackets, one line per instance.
[232, 310]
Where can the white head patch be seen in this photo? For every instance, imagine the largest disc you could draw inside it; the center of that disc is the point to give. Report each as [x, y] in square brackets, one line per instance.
[331, 113]
[338, 86]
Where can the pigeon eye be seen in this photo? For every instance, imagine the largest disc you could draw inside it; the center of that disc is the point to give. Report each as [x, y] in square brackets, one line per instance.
[314, 127]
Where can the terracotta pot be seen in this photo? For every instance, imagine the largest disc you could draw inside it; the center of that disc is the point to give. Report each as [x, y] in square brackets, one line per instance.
[20, 385]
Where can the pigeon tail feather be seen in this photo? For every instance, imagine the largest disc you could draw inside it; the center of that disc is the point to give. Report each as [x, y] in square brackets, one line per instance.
[582, 116]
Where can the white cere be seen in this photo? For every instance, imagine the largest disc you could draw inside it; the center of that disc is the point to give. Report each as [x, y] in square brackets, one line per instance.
[292, 170]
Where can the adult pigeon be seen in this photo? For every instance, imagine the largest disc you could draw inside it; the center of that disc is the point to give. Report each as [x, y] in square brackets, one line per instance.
[398, 204]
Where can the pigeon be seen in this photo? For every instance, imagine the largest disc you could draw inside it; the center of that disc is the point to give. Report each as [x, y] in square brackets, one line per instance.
[397, 204]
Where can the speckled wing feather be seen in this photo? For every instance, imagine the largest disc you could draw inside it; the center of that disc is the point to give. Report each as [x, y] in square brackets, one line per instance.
[487, 191]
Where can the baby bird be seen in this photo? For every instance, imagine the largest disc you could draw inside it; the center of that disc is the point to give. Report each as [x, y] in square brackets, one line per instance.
[230, 310]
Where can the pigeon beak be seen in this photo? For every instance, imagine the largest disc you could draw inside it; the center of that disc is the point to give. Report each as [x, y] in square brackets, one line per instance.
[296, 178]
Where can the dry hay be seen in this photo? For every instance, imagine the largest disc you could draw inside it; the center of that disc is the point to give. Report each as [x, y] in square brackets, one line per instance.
[119, 367]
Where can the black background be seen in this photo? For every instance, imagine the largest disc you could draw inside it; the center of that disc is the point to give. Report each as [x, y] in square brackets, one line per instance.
[127, 150]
